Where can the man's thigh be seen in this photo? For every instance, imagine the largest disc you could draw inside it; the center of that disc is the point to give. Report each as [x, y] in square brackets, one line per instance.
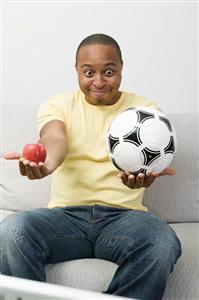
[132, 231]
[62, 232]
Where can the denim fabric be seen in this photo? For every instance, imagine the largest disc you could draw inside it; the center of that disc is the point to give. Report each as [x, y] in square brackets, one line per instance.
[144, 246]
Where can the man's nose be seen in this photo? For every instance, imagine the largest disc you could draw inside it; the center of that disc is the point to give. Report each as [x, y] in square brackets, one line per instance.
[99, 81]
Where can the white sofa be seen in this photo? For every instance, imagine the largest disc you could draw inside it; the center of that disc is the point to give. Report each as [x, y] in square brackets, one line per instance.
[175, 199]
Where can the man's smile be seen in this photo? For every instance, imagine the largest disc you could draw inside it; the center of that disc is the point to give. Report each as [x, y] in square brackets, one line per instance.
[99, 92]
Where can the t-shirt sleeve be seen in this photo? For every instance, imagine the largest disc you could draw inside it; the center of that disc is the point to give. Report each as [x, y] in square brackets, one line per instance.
[149, 103]
[53, 109]
[153, 104]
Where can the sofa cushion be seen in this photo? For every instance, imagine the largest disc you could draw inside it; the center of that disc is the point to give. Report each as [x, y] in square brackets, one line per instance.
[183, 281]
[90, 274]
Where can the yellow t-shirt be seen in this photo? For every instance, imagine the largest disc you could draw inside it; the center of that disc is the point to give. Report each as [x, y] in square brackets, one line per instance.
[87, 176]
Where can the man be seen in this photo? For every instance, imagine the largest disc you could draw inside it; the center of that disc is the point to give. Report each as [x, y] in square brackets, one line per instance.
[94, 211]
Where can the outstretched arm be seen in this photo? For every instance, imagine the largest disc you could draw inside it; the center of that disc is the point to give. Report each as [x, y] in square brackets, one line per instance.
[53, 137]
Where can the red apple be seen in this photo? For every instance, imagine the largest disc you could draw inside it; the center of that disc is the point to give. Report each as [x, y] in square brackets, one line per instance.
[34, 153]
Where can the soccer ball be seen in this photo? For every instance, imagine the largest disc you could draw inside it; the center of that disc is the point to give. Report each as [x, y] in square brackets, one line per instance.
[141, 140]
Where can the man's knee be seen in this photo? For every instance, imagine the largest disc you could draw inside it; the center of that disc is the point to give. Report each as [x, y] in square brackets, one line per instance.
[14, 226]
[161, 246]
[154, 239]
[168, 247]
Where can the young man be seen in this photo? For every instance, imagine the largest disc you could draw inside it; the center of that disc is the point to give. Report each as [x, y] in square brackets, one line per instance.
[94, 211]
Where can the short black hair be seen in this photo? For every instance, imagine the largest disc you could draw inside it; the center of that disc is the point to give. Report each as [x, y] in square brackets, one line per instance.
[100, 39]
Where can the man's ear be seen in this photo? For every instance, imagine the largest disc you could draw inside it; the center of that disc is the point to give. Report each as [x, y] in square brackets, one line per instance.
[122, 65]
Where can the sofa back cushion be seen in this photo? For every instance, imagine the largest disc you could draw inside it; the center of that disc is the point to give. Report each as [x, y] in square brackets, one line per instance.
[18, 192]
[174, 199]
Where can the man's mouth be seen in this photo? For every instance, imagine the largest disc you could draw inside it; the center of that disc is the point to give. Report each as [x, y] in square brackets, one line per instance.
[99, 92]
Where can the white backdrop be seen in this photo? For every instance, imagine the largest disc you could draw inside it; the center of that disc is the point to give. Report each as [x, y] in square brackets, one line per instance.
[158, 41]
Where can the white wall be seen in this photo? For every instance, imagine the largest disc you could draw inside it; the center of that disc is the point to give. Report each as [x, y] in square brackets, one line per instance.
[158, 41]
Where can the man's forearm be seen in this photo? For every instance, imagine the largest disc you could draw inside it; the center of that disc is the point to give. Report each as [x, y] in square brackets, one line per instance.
[56, 149]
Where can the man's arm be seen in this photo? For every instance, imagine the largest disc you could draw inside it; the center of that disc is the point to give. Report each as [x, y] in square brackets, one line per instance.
[53, 137]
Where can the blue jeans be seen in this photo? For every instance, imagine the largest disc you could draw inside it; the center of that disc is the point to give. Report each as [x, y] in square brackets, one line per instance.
[144, 246]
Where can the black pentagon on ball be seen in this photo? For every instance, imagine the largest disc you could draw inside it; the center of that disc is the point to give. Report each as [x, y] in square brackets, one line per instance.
[113, 141]
[133, 137]
[167, 122]
[170, 148]
[143, 115]
[150, 156]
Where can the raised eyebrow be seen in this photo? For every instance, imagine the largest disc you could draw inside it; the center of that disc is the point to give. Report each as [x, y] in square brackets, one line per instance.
[86, 65]
[109, 64]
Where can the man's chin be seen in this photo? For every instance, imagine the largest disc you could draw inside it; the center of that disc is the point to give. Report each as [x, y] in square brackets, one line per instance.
[98, 99]
[102, 98]
[98, 102]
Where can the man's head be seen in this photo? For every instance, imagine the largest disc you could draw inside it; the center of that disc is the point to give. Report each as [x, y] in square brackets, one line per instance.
[99, 68]
[100, 39]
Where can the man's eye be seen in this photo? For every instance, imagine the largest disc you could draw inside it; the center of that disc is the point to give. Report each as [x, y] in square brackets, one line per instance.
[109, 72]
[88, 73]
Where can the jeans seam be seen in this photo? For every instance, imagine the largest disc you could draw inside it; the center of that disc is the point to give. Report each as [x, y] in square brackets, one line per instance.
[64, 236]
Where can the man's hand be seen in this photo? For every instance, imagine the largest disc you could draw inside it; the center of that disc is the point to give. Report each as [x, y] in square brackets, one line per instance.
[53, 137]
[141, 180]
[27, 168]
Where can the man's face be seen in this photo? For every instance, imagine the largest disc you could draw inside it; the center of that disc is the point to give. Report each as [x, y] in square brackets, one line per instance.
[99, 72]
